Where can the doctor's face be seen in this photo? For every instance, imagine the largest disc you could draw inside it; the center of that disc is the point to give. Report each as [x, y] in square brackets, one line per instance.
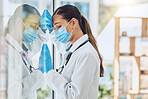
[59, 22]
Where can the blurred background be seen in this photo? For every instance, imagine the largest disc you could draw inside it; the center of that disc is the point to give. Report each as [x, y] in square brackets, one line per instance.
[120, 28]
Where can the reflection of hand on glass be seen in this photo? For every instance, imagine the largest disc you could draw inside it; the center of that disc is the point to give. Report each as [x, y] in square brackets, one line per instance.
[45, 62]
[46, 22]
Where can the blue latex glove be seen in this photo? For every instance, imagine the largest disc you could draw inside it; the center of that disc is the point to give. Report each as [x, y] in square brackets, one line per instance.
[46, 22]
[45, 61]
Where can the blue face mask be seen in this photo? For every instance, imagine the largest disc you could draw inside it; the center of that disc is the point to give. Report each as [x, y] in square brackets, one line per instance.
[62, 35]
[29, 35]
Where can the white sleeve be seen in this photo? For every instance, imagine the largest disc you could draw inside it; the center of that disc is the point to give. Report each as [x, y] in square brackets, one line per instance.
[32, 82]
[81, 79]
[14, 80]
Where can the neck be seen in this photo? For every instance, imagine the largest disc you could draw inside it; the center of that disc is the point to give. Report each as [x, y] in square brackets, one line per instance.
[78, 34]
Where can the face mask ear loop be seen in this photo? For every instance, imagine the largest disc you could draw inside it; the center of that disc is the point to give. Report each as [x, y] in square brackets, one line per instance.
[72, 31]
[68, 23]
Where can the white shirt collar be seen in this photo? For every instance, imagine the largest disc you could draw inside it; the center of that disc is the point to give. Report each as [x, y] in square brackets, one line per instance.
[78, 42]
[13, 43]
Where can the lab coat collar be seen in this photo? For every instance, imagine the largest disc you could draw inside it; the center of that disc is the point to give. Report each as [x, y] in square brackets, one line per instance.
[79, 42]
[13, 43]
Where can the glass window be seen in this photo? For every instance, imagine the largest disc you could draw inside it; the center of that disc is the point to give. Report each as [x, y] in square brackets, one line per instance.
[83, 7]
[20, 55]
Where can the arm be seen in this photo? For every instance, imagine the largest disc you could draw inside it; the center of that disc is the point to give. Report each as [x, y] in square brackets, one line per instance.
[14, 71]
[14, 86]
[82, 78]
[32, 82]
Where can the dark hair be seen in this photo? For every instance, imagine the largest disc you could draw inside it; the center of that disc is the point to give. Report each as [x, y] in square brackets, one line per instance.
[68, 12]
[22, 12]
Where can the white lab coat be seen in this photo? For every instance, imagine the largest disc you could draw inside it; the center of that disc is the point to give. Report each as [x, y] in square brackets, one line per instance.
[21, 83]
[80, 77]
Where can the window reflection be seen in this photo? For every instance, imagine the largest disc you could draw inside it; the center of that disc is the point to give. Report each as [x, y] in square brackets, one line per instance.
[23, 23]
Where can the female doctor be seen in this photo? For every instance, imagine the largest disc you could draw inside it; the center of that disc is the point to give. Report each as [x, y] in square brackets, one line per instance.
[79, 77]
[23, 29]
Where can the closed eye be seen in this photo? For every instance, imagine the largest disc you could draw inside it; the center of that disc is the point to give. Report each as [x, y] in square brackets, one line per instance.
[59, 26]
[32, 26]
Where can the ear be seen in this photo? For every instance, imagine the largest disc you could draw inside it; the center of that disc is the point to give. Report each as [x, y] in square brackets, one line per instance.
[74, 22]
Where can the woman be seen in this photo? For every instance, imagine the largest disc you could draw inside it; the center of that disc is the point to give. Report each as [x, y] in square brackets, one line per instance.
[23, 28]
[79, 77]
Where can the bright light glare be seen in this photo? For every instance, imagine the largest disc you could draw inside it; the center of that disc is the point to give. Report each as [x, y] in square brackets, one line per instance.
[125, 2]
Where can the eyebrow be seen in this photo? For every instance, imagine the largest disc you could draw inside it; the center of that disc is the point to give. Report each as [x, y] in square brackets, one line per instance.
[56, 23]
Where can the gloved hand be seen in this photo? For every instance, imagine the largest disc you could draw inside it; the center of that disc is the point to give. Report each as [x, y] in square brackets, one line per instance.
[45, 61]
[46, 22]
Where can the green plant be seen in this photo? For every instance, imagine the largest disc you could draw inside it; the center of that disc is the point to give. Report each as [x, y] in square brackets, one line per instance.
[105, 91]
[44, 92]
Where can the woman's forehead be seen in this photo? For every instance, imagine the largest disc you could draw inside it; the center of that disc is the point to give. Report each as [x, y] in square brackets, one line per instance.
[57, 18]
[33, 19]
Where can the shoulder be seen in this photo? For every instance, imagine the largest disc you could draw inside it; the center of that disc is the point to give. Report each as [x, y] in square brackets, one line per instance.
[87, 51]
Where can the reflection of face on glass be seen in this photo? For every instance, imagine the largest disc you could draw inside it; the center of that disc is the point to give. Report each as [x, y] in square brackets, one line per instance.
[30, 27]
[24, 22]
[25, 19]
[32, 21]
